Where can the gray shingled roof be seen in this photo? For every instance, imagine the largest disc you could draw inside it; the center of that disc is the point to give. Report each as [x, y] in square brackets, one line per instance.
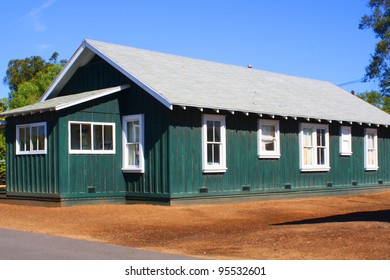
[176, 80]
[62, 102]
[204, 84]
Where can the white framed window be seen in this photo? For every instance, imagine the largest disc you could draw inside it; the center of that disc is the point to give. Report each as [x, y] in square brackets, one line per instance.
[91, 137]
[371, 149]
[345, 141]
[31, 139]
[268, 139]
[133, 143]
[314, 147]
[213, 144]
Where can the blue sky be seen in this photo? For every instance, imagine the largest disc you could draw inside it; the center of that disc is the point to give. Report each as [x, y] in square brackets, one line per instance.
[307, 38]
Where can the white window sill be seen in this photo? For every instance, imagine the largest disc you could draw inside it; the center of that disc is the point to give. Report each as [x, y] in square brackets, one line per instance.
[269, 156]
[92, 152]
[132, 170]
[371, 168]
[346, 154]
[31, 153]
[214, 170]
[315, 169]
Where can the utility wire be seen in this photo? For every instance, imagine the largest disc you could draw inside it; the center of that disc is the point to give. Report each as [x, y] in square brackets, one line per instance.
[350, 83]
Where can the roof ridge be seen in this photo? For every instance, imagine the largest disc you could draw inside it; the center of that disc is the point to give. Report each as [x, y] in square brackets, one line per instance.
[203, 60]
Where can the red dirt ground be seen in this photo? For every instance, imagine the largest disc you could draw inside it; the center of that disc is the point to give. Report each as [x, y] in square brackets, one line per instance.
[348, 227]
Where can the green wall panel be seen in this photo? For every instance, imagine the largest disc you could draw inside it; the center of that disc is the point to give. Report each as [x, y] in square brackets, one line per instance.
[264, 175]
[33, 174]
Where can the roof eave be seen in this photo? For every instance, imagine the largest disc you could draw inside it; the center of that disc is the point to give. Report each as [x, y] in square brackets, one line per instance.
[137, 81]
[79, 58]
[89, 98]
[218, 110]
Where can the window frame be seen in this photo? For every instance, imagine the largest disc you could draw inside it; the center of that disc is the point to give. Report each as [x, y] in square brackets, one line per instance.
[140, 168]
[30, 152]
[91, 151]
[268, 154]
[375, 166]
[214, 168]
[314, 167]
[347, 136]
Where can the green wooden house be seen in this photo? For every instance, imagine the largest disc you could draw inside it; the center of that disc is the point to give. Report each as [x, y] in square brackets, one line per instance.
[121, 124]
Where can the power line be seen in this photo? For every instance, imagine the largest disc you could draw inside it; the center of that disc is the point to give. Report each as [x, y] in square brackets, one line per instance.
[350, 83]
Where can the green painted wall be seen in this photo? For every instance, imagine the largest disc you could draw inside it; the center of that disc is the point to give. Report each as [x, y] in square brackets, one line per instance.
[97, 74]
[265, 175]
[36, 175]
[103, 172]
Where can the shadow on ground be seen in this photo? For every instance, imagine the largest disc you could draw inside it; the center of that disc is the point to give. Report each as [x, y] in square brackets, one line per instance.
[367, 216]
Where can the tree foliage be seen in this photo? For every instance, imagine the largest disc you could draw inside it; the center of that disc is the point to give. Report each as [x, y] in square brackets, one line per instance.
[30, 91]
[22, 70]
[28, 78]
[379, 22]
[378, 100]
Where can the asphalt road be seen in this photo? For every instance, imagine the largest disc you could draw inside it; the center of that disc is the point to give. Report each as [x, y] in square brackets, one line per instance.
[20, 245]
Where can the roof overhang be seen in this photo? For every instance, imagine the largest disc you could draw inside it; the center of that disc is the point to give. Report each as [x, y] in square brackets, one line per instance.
[81, 57]
[63, 102]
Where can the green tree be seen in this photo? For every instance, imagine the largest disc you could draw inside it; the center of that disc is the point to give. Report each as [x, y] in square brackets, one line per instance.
[379, 22]
[30, 91]
[22, 70]
[378, 100]
[28, 78]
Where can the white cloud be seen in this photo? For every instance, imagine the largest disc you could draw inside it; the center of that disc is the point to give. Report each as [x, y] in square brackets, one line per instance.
[42, 47]
[35, 16]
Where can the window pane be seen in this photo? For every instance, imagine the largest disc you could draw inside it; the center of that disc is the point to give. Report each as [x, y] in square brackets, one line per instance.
[133, 132]
[108, 136]
[136, 131]
[41, 138]
[371, 157]
[98, 137]
[320, 156]
[320, 137]
[27, 138]
[371, 138]
[345, 146]
[268, 132]
[307, 156]
[75, 137]
[268, 146]
[268, 137]
[130, 132]
[86, 136]
[34, 138]
[22, 139]
[307, 137]
[210, 153]
[210, 131]
[217, 131]
[217, 152]
[133, 154]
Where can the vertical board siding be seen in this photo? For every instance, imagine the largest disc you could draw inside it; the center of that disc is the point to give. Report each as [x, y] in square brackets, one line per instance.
[81, 171]
[97, 74]
[265, 175]
[104, 172]
[33, 174]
